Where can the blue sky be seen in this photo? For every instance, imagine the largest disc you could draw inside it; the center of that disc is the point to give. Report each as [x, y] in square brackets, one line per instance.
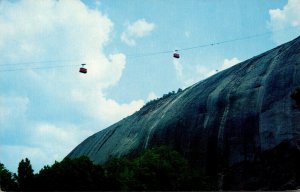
[45, 113]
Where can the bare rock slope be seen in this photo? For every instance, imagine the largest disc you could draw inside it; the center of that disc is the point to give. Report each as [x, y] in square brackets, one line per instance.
[228, 118]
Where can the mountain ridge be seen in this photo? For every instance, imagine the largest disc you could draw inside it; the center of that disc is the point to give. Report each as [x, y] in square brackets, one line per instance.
[230, 117]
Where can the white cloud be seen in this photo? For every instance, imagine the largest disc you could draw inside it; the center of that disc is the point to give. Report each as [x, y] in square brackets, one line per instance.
[43, 143]
[108, 110]
[97, 3]
[285, 22]
[199, 72]
[152, 96]
[50, 138]
[72, 33]
[229, 63]
[14, 153]
[113, 111]
[204, 71]
[12, 108]
[138, 29]
[193, 74]
[178, 68]
[49, 30]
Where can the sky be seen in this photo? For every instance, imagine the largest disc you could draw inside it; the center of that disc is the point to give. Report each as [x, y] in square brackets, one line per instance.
[47, 107]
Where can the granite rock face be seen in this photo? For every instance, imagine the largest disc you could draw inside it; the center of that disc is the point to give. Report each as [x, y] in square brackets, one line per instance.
[228, 118]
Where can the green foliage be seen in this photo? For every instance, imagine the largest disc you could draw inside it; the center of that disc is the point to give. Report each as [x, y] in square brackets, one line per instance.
[7, 180]
[179, 90]
[118, 174]
[156, 169]
[160, 168]
[25, 175]
[70, 174]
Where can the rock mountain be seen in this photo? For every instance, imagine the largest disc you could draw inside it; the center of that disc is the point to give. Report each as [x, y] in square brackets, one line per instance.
[232, 117]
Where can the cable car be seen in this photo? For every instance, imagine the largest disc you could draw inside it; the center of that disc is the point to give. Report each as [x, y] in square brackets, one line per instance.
[176, 54]
[82, 69]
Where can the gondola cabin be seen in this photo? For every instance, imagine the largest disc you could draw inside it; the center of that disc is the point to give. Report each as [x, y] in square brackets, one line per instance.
[176, 55]
[82, 69]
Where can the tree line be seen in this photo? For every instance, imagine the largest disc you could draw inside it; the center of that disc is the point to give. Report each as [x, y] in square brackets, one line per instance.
[160, 168]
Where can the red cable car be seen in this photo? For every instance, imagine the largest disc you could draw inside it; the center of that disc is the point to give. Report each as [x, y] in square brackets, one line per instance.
[176, 54]
[82, 69]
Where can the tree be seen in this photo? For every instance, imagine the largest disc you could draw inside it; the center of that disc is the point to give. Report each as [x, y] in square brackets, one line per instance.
[116, 176]
[25, 175]
[7, 180]
[79, 174]
[159, 168]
